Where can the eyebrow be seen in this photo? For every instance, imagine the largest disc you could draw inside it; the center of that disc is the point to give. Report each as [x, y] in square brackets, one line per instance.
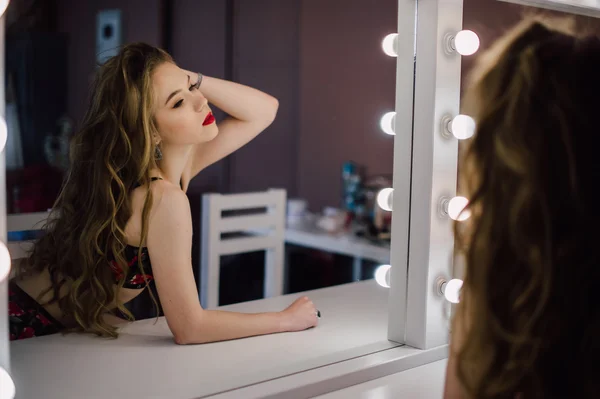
[176, 91]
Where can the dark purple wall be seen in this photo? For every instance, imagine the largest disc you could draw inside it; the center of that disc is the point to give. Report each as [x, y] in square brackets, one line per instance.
[141, 22]
[346, 84]
[265, 56]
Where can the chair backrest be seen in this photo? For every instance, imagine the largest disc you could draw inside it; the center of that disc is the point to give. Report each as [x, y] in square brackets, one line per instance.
[239, 223]
[22, 223]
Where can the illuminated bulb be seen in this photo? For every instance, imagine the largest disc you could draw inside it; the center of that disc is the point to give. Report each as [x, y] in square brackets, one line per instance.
[462, 127]
[466, 42]
[3, 134]
[385, 199]
[3, 5]
[390, 45]
[382, 275]
[7, 386]
[4, 262]
[451, 290]
[455, 209]
[387, 123]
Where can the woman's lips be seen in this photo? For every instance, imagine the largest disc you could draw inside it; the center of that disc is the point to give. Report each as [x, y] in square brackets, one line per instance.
[209, 119]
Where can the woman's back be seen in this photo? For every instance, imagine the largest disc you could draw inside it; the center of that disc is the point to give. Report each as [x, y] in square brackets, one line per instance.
[37, 284]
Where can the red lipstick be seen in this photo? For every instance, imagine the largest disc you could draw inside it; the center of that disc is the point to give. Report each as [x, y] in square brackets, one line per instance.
[210, 118]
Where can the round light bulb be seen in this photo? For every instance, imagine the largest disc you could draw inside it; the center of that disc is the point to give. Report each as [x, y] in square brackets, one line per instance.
[452, 290]
[4, 262]
[466, 42]
[387, 123]
[382, 275]
[455, 209]
[3, 5]
[463, 127]
[385, 199]
[3, 134]
[390, 44]
[7, 386]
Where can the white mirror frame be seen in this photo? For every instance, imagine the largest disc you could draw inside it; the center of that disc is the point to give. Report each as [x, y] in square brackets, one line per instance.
[4, 343]
[434, 175]
[402, 169]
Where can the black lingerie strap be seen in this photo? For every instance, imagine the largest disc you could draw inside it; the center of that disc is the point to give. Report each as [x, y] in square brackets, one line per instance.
[154, 178]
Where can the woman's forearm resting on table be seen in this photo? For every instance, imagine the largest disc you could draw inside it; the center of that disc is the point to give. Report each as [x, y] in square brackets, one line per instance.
[216, 325]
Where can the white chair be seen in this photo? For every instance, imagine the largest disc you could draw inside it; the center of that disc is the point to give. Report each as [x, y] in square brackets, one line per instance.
[265, 231]
[23, 222]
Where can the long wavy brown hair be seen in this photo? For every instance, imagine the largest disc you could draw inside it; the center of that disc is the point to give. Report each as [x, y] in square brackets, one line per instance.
[530, 303]
[110, 155]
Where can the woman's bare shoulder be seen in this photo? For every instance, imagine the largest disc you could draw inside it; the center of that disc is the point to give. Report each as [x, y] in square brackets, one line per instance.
[167, 199]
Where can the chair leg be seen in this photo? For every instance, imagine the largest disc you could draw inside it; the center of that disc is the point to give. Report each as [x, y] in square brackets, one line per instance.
[209, 282]
[357, 269]
[273, 273]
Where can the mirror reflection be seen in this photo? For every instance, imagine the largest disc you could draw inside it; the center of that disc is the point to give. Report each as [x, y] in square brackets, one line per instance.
[266, 148]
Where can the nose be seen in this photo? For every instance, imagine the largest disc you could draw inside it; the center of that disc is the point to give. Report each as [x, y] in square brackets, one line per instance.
[199, 101]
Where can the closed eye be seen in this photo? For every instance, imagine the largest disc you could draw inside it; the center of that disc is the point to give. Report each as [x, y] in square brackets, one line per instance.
[192, 87]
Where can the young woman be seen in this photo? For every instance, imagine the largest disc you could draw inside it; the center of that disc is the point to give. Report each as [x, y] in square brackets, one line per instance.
[123, 219]
[529, 316]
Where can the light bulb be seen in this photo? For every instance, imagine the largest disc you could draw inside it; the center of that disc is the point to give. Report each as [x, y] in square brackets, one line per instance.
[451, 290]
[390, 45]
[388, 120]
[4, 262]
[455, 209]
[385, 199]
[382, 275]
[3, 5]
[462, 127]
[7, 386]
[3, 133]
[466, 42]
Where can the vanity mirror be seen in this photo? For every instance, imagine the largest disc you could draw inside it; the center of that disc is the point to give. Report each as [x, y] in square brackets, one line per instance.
[345, 90]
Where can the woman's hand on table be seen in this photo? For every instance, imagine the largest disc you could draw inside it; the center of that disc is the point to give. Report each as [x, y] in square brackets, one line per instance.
[300, 315]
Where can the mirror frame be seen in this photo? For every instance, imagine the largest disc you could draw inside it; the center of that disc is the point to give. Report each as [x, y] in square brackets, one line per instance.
[4, 342]
[434, 176]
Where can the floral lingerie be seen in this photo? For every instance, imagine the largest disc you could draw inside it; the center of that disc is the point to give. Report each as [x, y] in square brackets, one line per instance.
[27, 318]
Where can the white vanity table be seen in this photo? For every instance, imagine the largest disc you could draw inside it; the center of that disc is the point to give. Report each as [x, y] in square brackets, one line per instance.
[306, 234]
[423, 382]
[349, 346]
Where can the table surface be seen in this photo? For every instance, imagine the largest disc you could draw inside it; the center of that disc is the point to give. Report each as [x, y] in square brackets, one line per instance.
[305, 233]
[423, 382]
[144, 362]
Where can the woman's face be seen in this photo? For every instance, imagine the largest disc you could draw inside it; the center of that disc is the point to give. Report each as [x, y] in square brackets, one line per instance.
[182, 113]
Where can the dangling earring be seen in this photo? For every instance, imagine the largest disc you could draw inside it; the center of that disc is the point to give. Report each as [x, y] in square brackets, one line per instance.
[157, 153]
